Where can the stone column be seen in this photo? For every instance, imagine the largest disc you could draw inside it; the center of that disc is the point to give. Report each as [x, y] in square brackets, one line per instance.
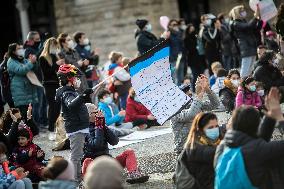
[22, 6]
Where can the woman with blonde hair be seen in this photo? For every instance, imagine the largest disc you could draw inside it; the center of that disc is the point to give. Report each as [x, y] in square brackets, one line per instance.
[49, 63]
[245, 32]
[197, 157]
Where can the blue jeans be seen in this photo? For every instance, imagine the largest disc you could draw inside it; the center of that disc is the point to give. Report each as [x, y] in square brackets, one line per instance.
[122, 101]
[40, 108]
[25, 183]
[246, 67]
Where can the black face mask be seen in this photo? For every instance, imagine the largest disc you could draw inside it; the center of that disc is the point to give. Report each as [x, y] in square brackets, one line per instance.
[36, 44]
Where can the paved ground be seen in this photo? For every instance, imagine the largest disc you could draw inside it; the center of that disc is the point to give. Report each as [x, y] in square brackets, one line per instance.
[155, 156]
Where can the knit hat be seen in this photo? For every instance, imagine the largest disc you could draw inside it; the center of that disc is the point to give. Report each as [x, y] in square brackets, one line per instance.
[104, 172]
[68, 173]
[141, 23]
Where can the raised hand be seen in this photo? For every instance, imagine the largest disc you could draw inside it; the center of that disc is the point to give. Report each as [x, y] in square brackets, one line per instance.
[272, 103]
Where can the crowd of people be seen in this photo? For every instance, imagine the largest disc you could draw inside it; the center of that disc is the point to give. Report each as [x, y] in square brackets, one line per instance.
[231, 64]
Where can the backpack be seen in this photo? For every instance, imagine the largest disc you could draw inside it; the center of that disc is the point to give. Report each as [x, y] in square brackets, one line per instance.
[230, 172]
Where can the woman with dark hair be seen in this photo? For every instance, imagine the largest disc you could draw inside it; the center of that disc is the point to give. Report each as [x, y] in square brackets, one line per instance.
[247, 94]
[267, 73]
[253, 141]
[228, 93]
[197, 157]
[23, 91]
[193, 59]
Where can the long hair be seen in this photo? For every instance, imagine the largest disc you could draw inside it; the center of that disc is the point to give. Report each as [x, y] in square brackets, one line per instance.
[235, 12]
[198, 124]
[45, 52]
[280, 14]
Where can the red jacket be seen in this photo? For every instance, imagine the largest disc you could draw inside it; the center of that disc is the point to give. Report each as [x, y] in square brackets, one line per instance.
[135, 110]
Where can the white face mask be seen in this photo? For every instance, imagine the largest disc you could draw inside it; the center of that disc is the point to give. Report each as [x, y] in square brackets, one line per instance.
[260, 92]
[235, 82]
[208, 22]
[148, 27]
[71, 44]
[183, 27]
[54, 51]
[77, 82]
[275, 62]
[86, 41]
[20, 52]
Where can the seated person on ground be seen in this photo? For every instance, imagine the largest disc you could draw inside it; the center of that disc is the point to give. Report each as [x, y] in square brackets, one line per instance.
[96, 144]
[137, 112]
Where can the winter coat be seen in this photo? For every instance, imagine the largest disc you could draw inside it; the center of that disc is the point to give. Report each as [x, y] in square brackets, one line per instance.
[258, 153]
[227, 43]
[87, 54]
[146, 41]
[6, 95]
[228, 96]
[23, 91]
[181, 123]
[96, 142]
[74, 111]
[269, 75]
[192, 56]
[135, 110]
[199, 164]
[6, 180]
[111, 115]
[49, 71]
[245, 97]
[280, 26]
[20, 158]
[57, 184]
[212, 45]
[176, 45]
[245, 33]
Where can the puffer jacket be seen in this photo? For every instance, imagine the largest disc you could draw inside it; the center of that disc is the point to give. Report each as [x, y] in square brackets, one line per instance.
[7, 179]
[23, 92]
[259, 154]
[245, 33]
[135, 110]
[146, 41]
[245, 97]
[57, 184]
[74, 111]
[181, 123]
[96, 142]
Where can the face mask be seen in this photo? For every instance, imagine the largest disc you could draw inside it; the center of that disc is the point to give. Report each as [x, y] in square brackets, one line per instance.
[86, 41]
[36, 44]
[77, 83]
[227, 20]
[212, 133]
[260, 92]
[108, 100]
[275, 62]
[54, 51]
[183, 27]
[252, 88]
[208, 22]
[176, 28]
[136, 99]
[148, 27]
[235, 82]
[243, 14]
[20, 52]
[87, 47]
[70, 44]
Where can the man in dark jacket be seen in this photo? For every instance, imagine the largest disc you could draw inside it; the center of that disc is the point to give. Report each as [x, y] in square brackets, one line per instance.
[145, 40]
[74, 111]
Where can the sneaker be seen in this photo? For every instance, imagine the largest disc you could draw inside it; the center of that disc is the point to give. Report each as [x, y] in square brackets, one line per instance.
[51, 136]
[136, 177]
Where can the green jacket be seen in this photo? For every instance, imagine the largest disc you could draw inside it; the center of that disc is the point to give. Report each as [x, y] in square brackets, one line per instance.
[23, 92]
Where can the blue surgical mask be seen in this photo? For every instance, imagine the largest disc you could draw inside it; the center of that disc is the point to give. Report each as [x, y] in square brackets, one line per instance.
[88, 47]
[252, 88]
[148, 27]
[213, 133]
[108, 100]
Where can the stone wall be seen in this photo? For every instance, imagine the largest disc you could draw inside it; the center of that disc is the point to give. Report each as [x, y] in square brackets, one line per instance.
[110, 24]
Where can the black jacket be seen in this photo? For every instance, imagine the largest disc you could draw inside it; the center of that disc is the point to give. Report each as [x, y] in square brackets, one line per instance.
[227, 98]
[212, 45]
[245, 33]
[96, 143]
[145, 41]
[258, 153]
[74, 110]
[49, 71]
[269, 75]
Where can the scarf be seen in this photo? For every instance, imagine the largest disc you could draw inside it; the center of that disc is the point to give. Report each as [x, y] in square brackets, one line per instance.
[230, 86]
